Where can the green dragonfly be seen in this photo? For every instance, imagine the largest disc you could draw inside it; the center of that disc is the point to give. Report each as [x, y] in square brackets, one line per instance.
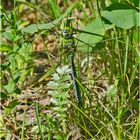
[68, 42]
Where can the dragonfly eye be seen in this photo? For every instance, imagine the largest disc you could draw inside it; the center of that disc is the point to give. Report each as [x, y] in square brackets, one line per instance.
[66, 34]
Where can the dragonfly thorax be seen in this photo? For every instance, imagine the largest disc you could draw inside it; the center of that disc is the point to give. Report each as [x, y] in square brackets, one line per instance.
[66, 34]
[68, 39]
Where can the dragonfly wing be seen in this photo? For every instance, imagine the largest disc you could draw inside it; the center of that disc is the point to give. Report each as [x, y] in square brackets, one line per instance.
[87, 47]
[98, 45]
[92, 34]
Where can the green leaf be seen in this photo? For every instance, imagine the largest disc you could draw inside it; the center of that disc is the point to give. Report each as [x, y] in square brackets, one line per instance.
[16, 38]
[118, 6]
[136, 3]
[112, 90]
[7, 111]
[10, 87]
[13, 104]
[123, 18]
[52, 84]
[59, 109]
[48, 73]
[16, 77]
[56, 77]
[4, 66]
[35, 130]
[17, 91]
[46, 26]
[8, 36]
[55, 8]
[23, 24]
[20, 60]
[3, 95]
[63, 86]
[63, 70]
[5, 47]
[30, 29]
[51, 92]
[63, 95]
[2, 134]
[95, 31]
[58, 137]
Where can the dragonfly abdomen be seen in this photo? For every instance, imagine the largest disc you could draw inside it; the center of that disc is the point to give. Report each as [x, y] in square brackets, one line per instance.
[74, 78]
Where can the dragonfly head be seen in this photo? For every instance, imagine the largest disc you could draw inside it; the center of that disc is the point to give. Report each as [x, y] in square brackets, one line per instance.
[66, 33]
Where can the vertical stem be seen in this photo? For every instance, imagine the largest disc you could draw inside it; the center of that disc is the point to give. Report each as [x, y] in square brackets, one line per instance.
[118, 118]
[23, 123]
[15, 17]
[0, 24]
[38, 121]
[126, 55]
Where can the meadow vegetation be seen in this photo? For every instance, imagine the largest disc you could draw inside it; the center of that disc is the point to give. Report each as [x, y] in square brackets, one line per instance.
[38, 99]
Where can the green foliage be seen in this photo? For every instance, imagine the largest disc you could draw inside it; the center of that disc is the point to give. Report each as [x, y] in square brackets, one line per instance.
[55, 8]
[59, 95]
[17, 52]
[123, 18]
[108, 72]
[96, 30]
[46, 26]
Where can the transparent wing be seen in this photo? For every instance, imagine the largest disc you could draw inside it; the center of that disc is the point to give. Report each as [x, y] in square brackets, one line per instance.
[99, 46]
[81, 46]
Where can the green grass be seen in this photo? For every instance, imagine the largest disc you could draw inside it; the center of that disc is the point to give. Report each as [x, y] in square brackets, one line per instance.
[37, 95]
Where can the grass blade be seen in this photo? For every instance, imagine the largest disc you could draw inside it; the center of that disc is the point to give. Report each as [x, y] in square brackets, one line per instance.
[55, 8]
[38, 121]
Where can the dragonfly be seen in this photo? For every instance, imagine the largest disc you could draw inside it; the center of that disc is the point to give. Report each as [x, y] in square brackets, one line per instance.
[69, 45]
[68, 42]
